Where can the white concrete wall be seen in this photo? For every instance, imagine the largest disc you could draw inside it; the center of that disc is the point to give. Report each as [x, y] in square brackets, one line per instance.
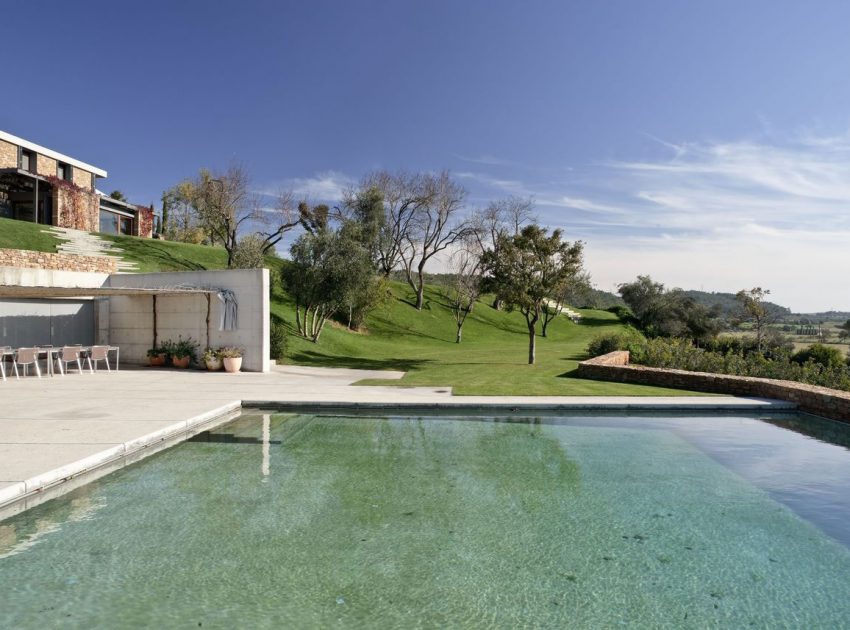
[24, 277]
[130, 319]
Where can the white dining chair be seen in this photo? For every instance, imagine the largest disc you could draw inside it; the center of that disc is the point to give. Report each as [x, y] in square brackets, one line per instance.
[26, 357]
[98, 353]
[69, 355]
[5, 355]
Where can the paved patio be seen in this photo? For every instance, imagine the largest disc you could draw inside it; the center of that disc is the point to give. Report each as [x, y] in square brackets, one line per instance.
[54, 430]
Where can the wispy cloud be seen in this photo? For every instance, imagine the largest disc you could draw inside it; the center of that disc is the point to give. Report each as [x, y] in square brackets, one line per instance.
[326, 186]
[487, 160]
[721, 215]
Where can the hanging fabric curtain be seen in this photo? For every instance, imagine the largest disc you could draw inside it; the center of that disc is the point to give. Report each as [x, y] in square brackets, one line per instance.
[229, 310]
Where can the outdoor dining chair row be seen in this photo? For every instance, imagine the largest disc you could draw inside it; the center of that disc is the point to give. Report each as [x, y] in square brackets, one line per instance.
[21, 359]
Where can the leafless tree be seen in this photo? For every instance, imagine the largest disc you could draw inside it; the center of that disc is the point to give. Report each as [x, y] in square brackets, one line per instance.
[435, 226]
[575, 285]
[466, 271]
[501, 219]
[403, 195]
[226, 207]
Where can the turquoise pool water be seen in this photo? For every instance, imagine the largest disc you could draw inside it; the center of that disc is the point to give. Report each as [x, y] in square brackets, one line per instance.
[299, 520]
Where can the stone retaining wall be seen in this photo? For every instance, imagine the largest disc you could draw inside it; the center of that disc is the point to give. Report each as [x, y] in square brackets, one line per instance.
[63, 262]
[821, 401]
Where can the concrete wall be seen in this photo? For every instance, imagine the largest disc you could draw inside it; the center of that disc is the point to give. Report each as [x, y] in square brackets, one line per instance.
[821, 401]
[130, 319]
[23, 277]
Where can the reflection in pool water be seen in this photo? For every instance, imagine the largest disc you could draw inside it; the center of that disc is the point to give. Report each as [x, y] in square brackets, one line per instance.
[581, 521]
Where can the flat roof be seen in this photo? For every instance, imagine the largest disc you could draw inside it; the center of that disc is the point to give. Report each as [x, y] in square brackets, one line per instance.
[32, 146]
[15, 291]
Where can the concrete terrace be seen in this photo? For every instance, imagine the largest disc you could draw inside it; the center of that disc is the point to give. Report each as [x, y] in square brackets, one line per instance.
[58, 433]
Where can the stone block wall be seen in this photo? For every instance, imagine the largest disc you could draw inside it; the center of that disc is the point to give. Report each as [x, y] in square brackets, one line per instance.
[821, 401]
[22, 258]
[75, 208]
[45, 166]
[8, 155]
[81, 178]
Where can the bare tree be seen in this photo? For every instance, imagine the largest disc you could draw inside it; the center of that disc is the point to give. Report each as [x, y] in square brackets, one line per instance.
[436, 225]
[501, 219]
[225, 207]
[466, 268]
[575, 284]
[402, 195]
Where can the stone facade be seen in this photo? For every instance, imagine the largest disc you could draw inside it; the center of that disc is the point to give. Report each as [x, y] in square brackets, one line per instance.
[82, 178]
[27, 259]
[77, 208]
[45, 166]
[8, 155]
[821, 401]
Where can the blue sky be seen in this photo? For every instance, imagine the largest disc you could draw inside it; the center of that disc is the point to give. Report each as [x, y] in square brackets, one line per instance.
[707, 144]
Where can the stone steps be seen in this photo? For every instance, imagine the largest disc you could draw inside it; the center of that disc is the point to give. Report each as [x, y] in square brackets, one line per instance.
[82, 243]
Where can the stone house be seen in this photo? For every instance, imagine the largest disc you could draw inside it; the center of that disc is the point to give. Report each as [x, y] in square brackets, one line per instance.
[43, 186]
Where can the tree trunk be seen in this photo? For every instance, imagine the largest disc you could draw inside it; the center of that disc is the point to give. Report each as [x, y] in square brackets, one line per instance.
[459, 332]
[420, 287]
[497, 304]
[546, 321]
[531, 340]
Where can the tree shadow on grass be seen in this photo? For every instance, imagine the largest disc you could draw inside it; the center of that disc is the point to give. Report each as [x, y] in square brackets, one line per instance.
[160, 255]
[596, 322]
[315, 359]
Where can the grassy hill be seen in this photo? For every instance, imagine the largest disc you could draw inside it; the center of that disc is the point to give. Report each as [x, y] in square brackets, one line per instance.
[490, 361]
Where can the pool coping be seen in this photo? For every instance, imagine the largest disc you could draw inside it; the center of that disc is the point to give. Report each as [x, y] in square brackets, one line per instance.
[23, 495]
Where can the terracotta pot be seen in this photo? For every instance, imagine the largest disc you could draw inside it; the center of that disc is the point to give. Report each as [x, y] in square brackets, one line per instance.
[214, 364]
[232, 364]
[157, 361]
[181, 362]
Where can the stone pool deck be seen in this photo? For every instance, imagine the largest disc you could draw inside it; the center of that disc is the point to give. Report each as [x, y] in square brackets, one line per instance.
[58, 433]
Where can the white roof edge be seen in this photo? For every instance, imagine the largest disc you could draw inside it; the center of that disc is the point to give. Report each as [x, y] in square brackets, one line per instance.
[32, 146]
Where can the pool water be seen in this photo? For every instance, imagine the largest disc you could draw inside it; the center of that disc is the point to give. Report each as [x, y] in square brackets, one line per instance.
[300, 520]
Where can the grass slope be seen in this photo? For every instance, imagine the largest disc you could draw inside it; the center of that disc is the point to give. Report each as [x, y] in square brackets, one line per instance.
[491, 360]
[24, 235]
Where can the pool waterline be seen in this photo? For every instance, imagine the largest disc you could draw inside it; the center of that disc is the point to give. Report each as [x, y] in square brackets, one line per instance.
[448, 508]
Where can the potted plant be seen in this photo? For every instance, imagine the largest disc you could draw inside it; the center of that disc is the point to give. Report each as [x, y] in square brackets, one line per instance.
[156, 356]
[232, 358]
[183, 352]
[212, 360]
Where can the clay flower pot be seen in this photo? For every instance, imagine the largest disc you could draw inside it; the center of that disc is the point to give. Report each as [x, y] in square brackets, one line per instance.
[157, 361]
[232, 364]
[181, 362]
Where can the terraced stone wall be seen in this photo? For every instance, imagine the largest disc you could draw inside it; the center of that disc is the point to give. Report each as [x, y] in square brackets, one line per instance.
[821, 401]
[27, 259]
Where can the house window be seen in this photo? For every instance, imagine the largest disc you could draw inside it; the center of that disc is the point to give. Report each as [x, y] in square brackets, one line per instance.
[111, 223]
[27, 161]
[63, 171]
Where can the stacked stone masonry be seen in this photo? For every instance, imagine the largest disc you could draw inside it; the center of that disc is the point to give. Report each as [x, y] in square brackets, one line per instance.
[62, 262]
[8, 155]
[821, 401]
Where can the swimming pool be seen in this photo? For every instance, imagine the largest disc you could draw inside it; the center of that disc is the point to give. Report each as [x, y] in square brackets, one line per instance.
[585, 521]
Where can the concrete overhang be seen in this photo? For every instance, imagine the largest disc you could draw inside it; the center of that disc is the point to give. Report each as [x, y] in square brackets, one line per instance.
[36, 292]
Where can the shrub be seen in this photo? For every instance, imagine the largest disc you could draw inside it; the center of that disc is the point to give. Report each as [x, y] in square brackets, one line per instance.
[626, 339]
[622, 312]
[820, 354]
[277, 340]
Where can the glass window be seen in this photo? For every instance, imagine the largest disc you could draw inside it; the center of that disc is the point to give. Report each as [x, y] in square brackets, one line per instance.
[108, 222]
[126, 225]
[27, 161]
[61, 171]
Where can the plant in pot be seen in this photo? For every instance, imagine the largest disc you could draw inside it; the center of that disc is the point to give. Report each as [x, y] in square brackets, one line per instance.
[156, 356]
[212, 360]
[183, 352]
[232, 358]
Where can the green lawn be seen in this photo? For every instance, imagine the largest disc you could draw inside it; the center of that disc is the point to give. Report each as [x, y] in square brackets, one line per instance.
[25, 235]
[490, 361]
